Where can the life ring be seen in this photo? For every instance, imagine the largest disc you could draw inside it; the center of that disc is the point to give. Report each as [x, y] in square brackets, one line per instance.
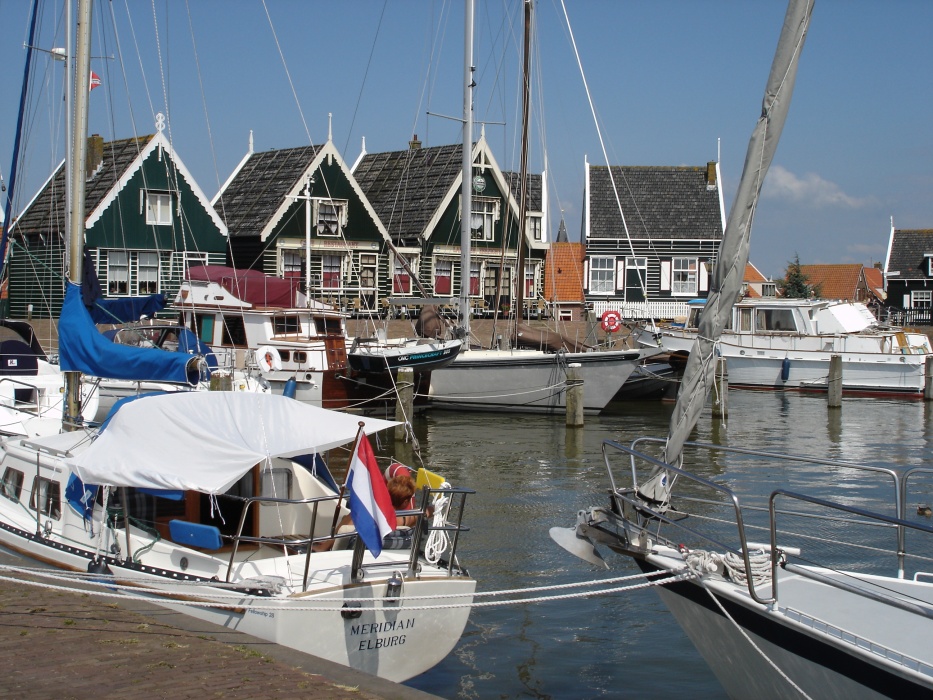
[610, 321]
[268, 359]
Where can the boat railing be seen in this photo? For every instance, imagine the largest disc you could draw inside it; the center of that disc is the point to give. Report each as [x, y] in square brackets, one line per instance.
[452, 523]
[634, 499]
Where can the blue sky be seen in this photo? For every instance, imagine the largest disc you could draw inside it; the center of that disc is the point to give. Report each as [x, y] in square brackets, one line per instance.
[669, 80]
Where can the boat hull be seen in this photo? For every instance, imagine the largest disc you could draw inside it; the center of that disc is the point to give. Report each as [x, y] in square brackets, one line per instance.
[421, 358]
[529, 381]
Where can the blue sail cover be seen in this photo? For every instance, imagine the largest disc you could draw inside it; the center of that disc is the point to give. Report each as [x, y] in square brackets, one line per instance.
[126, 310]
[82, 348]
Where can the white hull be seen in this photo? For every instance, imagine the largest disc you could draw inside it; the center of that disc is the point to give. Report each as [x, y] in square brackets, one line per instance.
[529, 380]
[31, 406]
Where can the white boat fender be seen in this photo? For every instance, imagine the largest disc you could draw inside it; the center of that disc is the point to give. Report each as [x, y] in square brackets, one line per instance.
[268, 359]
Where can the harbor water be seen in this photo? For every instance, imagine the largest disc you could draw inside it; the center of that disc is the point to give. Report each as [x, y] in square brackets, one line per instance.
[531, 474]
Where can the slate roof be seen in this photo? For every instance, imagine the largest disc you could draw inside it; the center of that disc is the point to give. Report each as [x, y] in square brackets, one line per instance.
[834, 281]
[534, 188]
[659, 202]
[563, 272]
[257, 191]
[906, 257]
[407, 187]
[46, 213]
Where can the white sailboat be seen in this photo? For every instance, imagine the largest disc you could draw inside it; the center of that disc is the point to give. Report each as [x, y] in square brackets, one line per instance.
[516, 379]
[836, 601]
[212, 503]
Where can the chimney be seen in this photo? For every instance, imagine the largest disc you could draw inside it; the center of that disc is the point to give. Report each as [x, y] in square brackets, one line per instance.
[414, 144]
[711, 175]
[95, 154]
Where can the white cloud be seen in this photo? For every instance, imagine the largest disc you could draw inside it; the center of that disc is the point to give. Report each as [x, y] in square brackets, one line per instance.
[808, 189]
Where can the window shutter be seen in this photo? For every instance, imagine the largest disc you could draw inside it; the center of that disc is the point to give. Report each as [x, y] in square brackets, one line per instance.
[665, 275]
[620, 274]
[703, 277]
[586, 275]
[907, 301]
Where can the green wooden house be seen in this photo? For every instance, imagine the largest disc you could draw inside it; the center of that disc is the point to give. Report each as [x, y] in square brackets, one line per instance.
[416, 194]
[299, 213]
[147, 222]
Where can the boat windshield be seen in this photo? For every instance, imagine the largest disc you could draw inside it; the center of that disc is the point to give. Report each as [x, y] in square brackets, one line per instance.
[775, 320]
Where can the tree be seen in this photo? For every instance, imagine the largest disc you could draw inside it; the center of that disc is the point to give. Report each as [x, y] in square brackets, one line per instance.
[795, 284]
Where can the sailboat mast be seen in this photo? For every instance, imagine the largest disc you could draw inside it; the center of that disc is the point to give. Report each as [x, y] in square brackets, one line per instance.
[466, 191]
[523, 172]
[78, 164]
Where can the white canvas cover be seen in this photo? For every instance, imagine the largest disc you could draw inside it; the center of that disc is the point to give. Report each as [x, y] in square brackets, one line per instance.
[206, 440]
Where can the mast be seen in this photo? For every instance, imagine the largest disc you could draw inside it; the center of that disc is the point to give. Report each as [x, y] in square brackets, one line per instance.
[76, 173]
[466, 190]
[523, 173]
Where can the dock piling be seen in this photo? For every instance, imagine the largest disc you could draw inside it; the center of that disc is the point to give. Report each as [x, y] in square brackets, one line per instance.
[574, 401]
[721, 394]
[405, 405]
[834, 385]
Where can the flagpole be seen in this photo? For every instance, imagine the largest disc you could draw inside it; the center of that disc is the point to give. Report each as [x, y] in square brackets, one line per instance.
[356, 446]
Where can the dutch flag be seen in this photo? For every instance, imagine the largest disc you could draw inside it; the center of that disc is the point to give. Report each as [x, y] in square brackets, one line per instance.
[370, 504]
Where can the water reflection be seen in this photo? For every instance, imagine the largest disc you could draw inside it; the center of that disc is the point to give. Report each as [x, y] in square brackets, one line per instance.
[531, 473]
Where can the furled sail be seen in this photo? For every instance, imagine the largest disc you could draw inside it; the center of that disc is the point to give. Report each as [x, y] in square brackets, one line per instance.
[726, 285]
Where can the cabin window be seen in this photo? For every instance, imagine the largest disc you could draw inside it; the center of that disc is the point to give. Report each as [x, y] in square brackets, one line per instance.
[330, 278]
[234, 332]
[147, 273]
[300, 357]
[159, 208]
[602, 275]
[775, 320]
[368, 272]
[118, 272]
[921, 299]
[47, 494]
[483, 220]
[327, 326]
[684, 276]
[293, 264]
[276, 483]
[533, 227]
[331, 215]
[285, 355]
[12, 484]
[636, 278]
[745, 320]
[443, 271]
[285, 325]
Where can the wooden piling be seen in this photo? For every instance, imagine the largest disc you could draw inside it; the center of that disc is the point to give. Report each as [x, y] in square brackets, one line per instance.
[405, 405]
[721, 394]
[834, 385]
[928, 378]
[574, 400]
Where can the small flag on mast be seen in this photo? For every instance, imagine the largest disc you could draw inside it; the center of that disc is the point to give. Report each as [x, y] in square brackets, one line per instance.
[95, 81]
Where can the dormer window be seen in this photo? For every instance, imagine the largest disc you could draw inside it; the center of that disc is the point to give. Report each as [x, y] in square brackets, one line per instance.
[533, 226]
[483, 220]
[331, 216]
[158, 208]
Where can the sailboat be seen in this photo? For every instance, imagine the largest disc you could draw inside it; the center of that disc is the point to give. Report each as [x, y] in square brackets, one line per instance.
[217, 503]
[836, 599]
[517, 379]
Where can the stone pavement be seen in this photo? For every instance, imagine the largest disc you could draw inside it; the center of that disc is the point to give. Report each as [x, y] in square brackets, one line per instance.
[63, 645]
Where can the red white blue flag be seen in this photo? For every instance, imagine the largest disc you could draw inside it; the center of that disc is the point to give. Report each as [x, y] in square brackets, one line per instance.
[370, 504]
[95, 81]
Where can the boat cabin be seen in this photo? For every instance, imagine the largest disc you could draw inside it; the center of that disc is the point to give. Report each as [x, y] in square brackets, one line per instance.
[796, 316]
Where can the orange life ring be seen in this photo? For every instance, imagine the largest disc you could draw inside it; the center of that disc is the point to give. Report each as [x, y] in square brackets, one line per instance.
[611, 321]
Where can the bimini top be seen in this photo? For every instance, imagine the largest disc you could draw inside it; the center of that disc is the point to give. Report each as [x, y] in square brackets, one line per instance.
[206, 440]
[252, 286]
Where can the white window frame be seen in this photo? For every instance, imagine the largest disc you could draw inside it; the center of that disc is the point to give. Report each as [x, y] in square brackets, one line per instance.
[602, 275]
[486, 213]
[684, 274]
[330, 216]
[328, 267]
[444, 268]
[144, 271]
[369, 262]
[533, 226]
[399, 271]
[637, 265]
[118, 271]
[921, 299]
[293, 263]
[158, 208]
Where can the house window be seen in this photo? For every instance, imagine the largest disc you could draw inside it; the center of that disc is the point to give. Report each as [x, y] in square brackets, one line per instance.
[330, 277]
[443, 271]
[401, 280]
[768, 289]
[485, 214]
[147, 273]
[293, 264]
[474, 279]
[533, 227]
[158, 208]
[921, 299]
[331, 215]
[636, 278]
[529, 281]
[368, 272]
[118, 273]
[12, 485]
[46, 497]
[684, 276]
[602, 275]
